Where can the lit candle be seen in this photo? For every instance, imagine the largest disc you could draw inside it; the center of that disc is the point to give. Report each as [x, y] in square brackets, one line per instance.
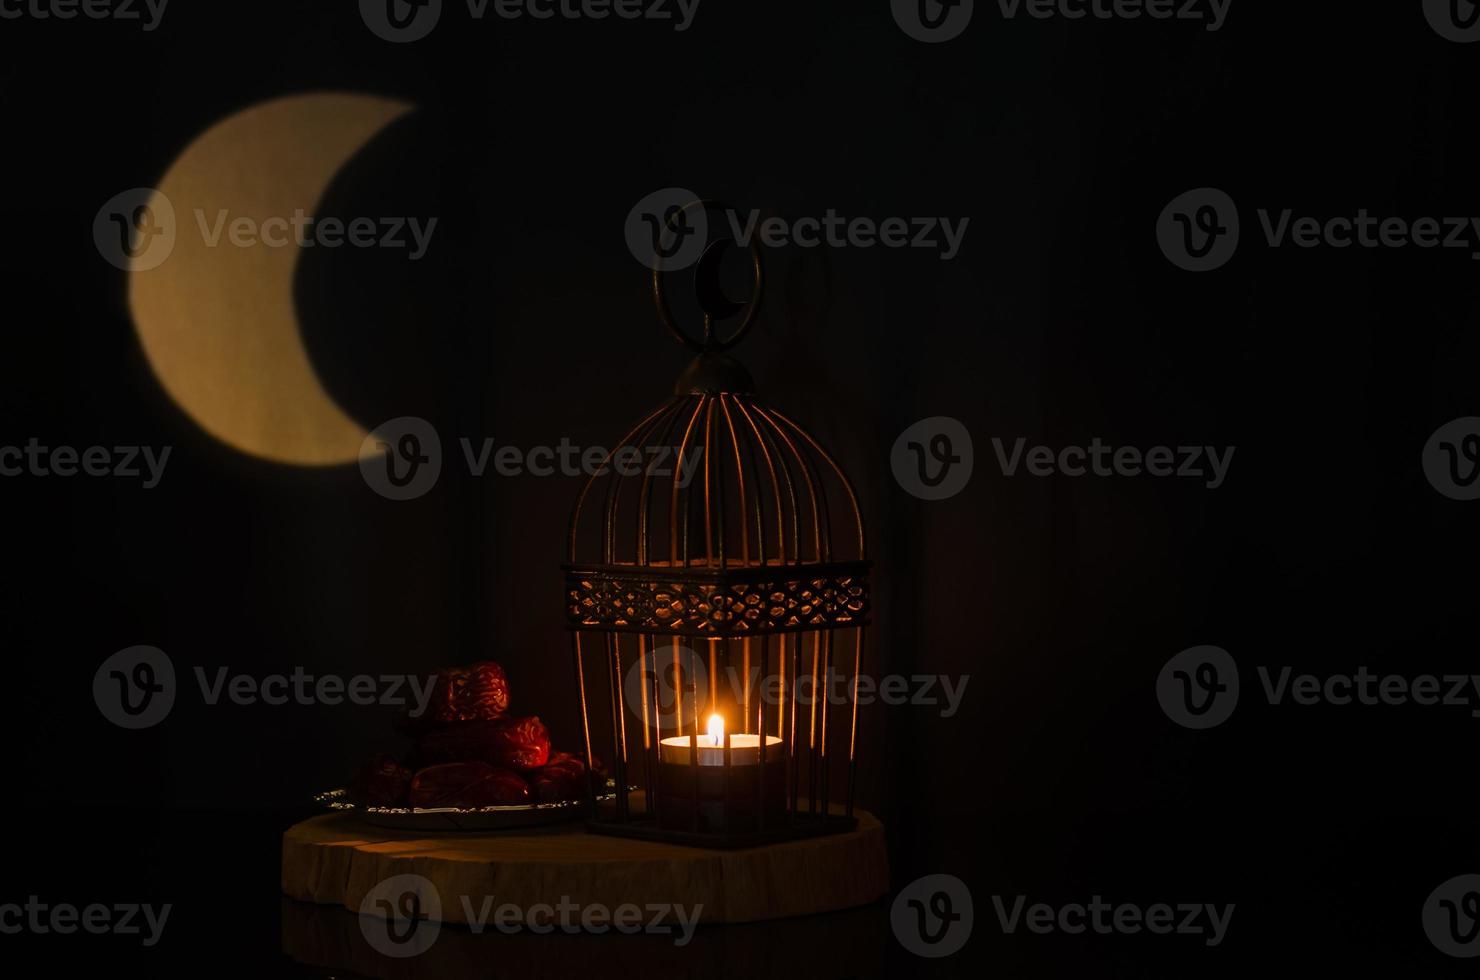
[711, 747]
[748, 794]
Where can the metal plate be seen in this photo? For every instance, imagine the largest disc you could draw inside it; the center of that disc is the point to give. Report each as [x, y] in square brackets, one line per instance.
[451, 818]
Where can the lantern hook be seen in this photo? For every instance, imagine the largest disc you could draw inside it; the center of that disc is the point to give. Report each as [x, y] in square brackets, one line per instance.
[713, 302]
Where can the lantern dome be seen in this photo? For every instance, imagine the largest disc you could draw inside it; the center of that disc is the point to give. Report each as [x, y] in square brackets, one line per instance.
[717, 515]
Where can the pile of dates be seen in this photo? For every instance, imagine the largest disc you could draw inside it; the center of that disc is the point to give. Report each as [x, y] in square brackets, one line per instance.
[469, 752]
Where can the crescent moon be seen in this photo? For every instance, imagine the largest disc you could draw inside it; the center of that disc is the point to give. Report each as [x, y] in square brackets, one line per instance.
[218, 324]
[711, 293]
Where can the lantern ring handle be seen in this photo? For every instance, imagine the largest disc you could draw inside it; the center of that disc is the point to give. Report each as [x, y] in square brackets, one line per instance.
[711, 300]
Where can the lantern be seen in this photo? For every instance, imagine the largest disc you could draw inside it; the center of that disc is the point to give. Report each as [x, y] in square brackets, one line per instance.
[718, 607]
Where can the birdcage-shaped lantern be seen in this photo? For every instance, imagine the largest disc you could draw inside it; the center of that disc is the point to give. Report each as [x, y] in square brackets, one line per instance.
[718, 608]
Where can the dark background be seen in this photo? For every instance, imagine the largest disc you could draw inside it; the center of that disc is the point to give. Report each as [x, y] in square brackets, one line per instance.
[528, 321]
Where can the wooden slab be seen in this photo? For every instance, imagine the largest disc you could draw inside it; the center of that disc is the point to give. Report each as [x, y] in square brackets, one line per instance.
[849, 943]
[336, 860]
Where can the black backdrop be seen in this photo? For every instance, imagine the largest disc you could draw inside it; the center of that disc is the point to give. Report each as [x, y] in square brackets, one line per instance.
[1060, 321]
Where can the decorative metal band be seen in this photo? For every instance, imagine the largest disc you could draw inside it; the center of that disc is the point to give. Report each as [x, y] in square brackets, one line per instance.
[749, 601]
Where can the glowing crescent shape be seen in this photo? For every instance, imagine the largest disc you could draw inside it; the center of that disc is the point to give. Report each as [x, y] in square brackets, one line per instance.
[218, 324]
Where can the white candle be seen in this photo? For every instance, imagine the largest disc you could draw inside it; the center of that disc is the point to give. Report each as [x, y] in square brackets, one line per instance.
[711, 746]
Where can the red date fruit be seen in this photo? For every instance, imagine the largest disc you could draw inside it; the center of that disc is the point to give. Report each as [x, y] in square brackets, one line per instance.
[508, 743]
[476, 693]
[562, 778]
[467, 784]
[387, 782]
[459, 694]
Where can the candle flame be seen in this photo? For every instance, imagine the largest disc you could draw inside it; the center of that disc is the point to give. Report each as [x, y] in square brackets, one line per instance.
[717, 729]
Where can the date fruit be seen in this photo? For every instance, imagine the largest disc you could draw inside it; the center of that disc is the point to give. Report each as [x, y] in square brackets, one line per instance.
[479, 692]
[387, 782]
[508, 743]
[467, 784]
[562, 778]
